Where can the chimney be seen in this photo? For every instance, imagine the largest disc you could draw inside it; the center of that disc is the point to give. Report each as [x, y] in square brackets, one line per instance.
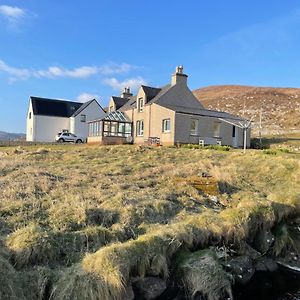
[126, 93]
[179, 78]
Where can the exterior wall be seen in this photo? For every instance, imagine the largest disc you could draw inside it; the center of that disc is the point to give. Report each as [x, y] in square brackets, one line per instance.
[30, 123]
[205, 131]
[46, 127]
[102, 140]
[153, 116]
[111, 104]
[92, 112]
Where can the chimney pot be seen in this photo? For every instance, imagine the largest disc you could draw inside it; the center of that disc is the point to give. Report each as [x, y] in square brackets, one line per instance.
[179, 78]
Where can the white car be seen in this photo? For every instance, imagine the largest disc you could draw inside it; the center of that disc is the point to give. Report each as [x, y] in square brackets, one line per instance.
[62, 137]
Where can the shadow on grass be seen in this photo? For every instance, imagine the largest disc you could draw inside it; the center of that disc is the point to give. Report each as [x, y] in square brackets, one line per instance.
[266, 142]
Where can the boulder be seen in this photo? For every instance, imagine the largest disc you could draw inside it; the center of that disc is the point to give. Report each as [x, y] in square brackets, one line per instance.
[128, 294]
[266, 264]
[263, 241]
[149, 287]
[241, 268]
[247, 250]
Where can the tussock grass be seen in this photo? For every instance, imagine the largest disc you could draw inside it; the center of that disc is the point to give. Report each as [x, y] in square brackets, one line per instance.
[10, 287]
[201, 273]
[109, 213]
[31, 245]
[36, 282]
[78, 285]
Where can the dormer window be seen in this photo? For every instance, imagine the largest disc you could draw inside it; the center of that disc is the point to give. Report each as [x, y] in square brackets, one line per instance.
[141, 104]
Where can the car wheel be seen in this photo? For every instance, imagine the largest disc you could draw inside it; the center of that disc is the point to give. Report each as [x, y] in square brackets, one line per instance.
[61, 140]
[78, 141]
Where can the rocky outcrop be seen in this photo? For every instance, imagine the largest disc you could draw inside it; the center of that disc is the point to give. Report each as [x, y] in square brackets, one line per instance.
[241, 268]
[149, 288]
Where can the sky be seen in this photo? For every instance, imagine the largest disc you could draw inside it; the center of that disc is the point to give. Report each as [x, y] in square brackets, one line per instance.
[79, 50]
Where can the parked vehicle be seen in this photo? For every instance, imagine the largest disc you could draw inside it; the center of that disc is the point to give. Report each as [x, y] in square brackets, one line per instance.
[62, 137]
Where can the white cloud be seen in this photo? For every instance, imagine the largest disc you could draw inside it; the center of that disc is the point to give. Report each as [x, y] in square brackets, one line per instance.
[84, 97]
[14, 73]
[81, 72]
[12, 14]
[133, 83]
[61, 72]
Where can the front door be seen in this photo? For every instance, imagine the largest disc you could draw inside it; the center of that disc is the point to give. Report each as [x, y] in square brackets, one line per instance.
[234, 136]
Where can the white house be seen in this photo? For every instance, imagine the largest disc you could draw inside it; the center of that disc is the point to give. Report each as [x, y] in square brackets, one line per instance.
[46, 117]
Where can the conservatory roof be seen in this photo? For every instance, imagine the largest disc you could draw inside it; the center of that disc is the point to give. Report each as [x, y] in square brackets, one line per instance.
[117, 116]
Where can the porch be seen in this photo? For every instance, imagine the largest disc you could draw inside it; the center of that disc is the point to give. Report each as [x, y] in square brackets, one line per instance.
[114, 129]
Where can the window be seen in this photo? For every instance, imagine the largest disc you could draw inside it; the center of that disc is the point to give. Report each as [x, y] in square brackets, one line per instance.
[140, 128]
[216, 129]
[111, 108]
[233, 131]
[94, 129]
[166, 125]
[29, 116]
[194, 127]
[140, 104]
[83, 118]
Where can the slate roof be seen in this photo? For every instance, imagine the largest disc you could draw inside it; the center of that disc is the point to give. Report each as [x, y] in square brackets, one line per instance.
[119, 101]
[54, 107]
[85, 105]
[162, 91]
[131, 103]
[203, 112]
[150, 92]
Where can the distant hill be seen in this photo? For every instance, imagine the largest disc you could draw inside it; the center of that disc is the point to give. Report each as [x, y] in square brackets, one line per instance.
[5, 136]
[280, 106]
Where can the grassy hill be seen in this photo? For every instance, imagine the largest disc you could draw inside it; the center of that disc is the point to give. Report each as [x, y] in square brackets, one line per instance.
[5, 136]
[82, 222]
[280, 106]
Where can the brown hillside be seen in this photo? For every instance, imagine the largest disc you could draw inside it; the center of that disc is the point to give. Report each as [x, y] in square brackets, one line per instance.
[280, 106]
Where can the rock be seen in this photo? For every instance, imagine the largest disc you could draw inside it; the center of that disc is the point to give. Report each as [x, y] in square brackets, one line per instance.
[150, 287]
[249, 251]
[128, 294]
[263, 241]
[266, 264]
[241, 268]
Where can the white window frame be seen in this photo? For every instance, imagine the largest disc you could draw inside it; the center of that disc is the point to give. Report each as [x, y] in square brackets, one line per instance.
[83, 118]
[141, 104]
[166, 125]
[140, 128]
[216, 129]
[195, 130]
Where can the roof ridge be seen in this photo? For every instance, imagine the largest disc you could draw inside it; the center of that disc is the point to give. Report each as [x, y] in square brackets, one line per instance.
[52, 99]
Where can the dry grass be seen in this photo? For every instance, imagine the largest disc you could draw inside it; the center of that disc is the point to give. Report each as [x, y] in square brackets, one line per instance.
[98, 216]
[201, 273]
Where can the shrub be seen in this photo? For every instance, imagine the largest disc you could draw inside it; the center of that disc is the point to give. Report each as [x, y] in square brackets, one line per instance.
[270, 152]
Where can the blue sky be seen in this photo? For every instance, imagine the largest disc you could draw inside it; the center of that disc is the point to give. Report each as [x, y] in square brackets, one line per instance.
[80, 49]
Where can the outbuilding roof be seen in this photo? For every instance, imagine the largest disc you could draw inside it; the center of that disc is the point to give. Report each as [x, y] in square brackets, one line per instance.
[203, 112]
[54, 107]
